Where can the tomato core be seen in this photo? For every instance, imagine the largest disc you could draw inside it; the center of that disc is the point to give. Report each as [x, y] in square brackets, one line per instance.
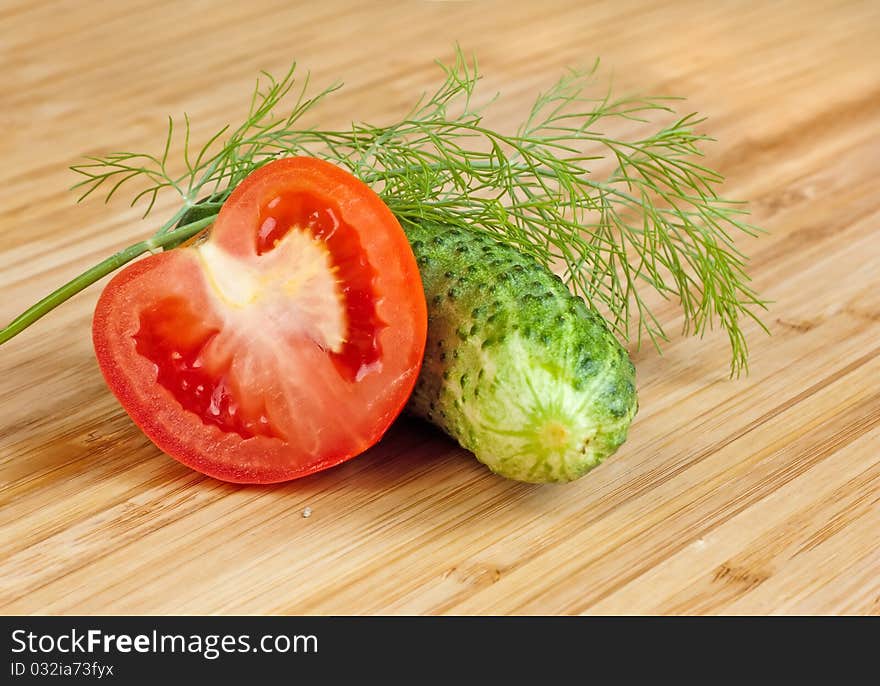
[303, 212]
[174, 337]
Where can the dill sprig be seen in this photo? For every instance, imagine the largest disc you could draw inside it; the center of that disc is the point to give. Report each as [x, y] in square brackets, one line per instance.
[654, 222]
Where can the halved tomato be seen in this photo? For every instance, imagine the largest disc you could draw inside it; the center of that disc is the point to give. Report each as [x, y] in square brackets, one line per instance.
[284, 343]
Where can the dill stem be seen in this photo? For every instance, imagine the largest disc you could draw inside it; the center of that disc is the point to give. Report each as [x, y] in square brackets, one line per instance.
[97, 272]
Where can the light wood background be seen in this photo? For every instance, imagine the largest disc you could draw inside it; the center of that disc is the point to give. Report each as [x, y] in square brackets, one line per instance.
[751, 496]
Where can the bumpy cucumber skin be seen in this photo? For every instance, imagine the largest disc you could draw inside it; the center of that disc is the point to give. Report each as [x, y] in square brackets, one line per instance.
[517, 369]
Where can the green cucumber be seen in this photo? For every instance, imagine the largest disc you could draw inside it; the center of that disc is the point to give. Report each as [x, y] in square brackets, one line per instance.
[517, 369]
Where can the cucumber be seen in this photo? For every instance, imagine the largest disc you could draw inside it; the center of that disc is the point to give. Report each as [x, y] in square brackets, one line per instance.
[517, 369]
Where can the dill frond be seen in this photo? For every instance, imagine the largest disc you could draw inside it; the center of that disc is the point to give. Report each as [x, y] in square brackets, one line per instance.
[654, 222]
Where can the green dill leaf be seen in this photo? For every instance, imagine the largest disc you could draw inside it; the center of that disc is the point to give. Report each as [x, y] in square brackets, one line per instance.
[655, 222]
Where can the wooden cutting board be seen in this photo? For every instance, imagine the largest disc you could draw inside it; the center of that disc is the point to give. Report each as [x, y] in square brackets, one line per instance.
[758, 495]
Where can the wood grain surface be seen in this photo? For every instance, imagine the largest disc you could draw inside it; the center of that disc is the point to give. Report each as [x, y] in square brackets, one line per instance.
[758, 495]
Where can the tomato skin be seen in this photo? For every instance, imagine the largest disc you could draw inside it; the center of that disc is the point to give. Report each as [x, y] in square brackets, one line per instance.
[320, 408]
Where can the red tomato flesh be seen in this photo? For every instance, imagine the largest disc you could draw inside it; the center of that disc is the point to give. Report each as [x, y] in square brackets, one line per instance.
[284, 343]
